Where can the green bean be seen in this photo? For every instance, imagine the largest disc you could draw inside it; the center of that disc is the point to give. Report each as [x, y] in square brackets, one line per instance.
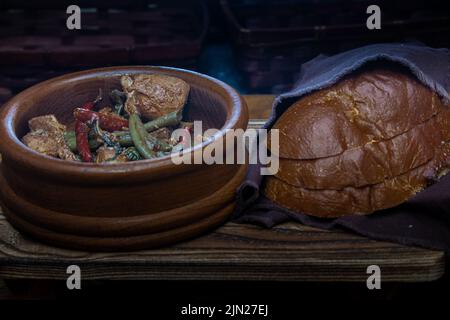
[69, 137]
[117, 98]
[167, 120]
[107, 137]
[132, 154]
[139, 136]
[162, 154]
[158, 144]
[170, 119]
[71, 141]
[125, 141]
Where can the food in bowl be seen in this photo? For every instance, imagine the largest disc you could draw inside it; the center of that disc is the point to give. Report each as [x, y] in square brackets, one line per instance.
[367, 143]
[124, 206]
[118, 133]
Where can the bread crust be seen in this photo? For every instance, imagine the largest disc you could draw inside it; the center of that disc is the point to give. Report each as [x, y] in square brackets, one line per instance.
[372, 162]
[368, 143]
[372, 105]
[328, 203]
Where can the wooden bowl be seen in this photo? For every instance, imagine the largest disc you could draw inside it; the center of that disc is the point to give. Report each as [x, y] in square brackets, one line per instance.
[122, 206]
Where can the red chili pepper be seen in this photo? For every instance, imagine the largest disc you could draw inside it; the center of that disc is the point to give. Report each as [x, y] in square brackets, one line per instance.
[88, 105]
[82, 135]
[91, 104]
[82, 132]
[107, 121]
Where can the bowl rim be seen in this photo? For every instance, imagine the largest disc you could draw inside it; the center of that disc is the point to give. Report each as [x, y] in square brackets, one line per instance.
[12, 148]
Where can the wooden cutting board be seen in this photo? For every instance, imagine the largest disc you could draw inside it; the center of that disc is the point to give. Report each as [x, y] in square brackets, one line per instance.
[233, 252]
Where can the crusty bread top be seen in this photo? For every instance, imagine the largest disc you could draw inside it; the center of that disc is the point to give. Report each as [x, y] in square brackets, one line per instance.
[373, 105]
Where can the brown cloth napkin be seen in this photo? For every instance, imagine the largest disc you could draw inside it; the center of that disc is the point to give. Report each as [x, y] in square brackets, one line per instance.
[424, 220]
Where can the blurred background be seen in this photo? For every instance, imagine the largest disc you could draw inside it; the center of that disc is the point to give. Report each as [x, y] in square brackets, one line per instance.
[257, 46]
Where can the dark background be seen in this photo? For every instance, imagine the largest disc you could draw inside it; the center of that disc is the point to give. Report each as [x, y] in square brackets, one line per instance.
[255, 46]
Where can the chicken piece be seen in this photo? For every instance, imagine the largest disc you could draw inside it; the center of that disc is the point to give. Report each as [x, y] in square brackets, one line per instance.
[64, 151]
[162, 133]
[105, 154]
[47, 137]
[47, 123]
[120, 158]
[41, 142]
[154, 95]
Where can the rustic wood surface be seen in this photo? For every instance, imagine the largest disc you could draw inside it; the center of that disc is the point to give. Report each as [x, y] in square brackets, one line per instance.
[233, 252]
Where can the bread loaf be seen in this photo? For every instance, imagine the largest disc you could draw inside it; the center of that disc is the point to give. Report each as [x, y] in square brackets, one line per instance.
[369, 142]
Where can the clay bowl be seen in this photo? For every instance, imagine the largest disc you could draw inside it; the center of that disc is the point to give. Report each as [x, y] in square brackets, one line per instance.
[124, 206]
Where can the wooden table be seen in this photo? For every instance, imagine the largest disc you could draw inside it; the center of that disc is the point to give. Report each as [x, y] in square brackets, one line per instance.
[233, 252]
